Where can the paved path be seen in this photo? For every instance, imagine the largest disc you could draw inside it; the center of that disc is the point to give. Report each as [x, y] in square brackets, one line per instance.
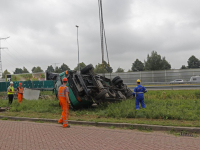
[29, 135]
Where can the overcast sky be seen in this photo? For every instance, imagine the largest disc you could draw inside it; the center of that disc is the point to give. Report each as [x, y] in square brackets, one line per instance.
[43, 32]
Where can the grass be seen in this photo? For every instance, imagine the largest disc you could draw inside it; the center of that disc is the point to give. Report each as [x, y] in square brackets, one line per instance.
[176, 108]
[194, 135]
[39, 121]
[111, 127]
[46, 93]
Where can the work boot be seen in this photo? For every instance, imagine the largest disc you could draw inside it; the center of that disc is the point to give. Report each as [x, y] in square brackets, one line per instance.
[68, 126]
[60, 121]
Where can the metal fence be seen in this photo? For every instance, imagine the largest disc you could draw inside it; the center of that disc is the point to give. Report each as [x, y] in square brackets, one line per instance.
[156, 76]
[49, 84]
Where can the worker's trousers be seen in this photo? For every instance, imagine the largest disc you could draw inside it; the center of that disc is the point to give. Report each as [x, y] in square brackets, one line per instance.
[65, 111]
[10, 97]
[139, 101]
[20, 97]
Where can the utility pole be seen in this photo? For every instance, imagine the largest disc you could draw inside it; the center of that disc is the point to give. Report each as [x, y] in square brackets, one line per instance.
[1, 68]
[78, 50]
[55, 65]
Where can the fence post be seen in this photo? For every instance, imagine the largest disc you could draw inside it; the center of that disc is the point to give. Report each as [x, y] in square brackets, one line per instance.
[165, 75]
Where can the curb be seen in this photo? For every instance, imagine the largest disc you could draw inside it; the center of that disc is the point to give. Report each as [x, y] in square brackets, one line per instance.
[119, 125]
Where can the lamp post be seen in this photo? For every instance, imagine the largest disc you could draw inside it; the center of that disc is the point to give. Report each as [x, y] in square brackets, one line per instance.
[78, 49]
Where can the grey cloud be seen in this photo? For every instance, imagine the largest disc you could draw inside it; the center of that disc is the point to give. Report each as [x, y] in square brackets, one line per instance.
[44, 32]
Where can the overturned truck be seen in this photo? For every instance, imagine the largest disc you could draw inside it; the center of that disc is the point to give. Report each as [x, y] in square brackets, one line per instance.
[86, 87]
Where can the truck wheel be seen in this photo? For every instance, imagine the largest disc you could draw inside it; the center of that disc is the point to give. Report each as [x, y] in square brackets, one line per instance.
[115, 78]
[121, 96]
[129, 93]
[111, 93]
[87, 69]
[101, 94]
[118, 81]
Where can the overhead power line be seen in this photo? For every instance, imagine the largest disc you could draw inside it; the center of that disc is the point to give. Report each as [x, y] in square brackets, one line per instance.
[21, 54]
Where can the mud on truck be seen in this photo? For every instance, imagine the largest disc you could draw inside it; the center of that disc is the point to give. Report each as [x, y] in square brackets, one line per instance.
[86, 87]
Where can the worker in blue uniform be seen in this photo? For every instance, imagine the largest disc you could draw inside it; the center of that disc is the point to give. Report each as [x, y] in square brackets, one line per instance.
[139, 94]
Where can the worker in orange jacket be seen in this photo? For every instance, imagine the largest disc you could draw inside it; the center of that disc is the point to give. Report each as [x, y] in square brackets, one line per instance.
[63, 95]
[20, 92]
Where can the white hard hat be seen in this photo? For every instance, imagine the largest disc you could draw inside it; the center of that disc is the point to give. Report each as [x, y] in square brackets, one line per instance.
[11, 82]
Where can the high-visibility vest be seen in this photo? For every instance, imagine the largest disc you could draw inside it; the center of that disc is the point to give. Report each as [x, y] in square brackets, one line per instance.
[61, 91]
[20, 90]
[11, 88]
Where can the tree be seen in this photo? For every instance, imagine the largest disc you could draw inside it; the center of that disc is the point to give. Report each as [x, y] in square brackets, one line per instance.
[130, 70]
[108, 67]
[37, 69]
[82, 65]
[165, 64]
[103, 68]
[50, 69]
[64, 67]
[155, 62]
[137, 66]
[193, 62]
[120, 70]
[5, 73]
[18, 71]
[183, 67]
[33, 69]
[25, 70]
[100, 69]
[58, 70]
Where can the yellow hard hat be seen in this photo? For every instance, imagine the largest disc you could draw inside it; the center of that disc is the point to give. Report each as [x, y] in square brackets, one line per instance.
[138, 80]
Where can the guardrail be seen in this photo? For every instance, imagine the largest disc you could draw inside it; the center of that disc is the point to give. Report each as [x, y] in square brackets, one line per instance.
[164, 83]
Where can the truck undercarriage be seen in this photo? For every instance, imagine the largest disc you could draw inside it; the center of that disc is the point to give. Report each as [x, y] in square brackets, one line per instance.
[86, 87]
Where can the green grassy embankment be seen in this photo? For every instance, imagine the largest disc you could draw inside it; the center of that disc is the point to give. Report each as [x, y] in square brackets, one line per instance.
[177, 108]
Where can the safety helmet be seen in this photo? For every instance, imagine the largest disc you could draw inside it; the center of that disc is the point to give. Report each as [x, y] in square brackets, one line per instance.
[20, 83]
[11, 82]
[138, 80]
[64, 79]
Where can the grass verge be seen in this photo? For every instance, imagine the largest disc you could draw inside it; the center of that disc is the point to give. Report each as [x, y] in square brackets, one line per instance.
[169, 108]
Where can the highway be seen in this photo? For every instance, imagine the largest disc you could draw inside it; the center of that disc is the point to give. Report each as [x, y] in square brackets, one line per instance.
[171, 87]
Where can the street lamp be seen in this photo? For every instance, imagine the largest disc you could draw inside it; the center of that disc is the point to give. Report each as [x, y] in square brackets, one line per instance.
[78, 49]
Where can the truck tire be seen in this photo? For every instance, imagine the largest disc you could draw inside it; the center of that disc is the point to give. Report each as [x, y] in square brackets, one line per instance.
[101, 94]
[118, 81]
[129, 93]
[115, 78]
[121, 95]
[87, 69]
[111, 93]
